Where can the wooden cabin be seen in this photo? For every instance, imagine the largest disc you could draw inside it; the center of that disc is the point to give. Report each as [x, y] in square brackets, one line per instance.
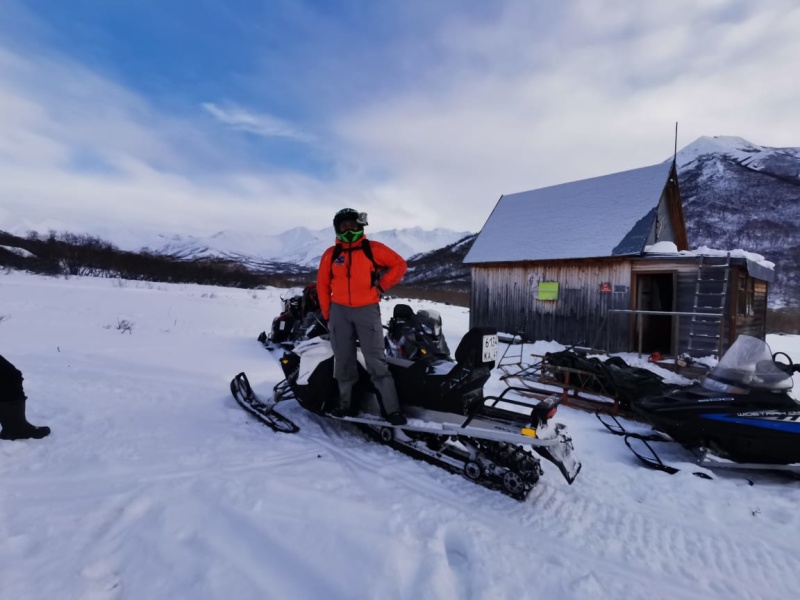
[604, 262]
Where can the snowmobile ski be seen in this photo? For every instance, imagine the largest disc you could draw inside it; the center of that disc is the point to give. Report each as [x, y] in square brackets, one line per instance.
[265, 412]
[640, 444]
[617, 428]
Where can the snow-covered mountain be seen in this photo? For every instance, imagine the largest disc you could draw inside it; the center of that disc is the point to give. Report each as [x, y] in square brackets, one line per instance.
[299, 247]
[737, 194]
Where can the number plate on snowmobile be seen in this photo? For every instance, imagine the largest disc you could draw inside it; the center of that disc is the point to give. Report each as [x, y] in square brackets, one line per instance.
[489, 348]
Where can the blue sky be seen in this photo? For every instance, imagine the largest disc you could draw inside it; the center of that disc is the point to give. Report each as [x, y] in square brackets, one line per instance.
[259, 116]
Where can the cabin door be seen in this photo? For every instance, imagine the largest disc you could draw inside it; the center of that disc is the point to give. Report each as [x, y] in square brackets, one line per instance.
[654, 292]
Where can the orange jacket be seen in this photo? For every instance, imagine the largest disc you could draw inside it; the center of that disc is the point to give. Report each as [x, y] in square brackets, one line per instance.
[349, 280]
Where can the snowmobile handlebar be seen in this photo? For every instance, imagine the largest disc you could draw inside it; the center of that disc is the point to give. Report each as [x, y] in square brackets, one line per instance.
[322, 322]
[788, 367]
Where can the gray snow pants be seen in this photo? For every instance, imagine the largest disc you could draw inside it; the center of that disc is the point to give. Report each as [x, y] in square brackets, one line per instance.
[347, 324]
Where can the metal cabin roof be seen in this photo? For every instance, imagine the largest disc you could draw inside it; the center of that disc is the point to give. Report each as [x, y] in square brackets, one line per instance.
[602, 216]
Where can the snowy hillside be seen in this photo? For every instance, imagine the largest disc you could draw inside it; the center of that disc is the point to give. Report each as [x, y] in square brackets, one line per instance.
[740, 195]
[742, 152]
[155, 484]
[299, 246]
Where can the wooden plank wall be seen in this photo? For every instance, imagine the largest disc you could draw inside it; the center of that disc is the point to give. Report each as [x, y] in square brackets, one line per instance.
[756, 323]
[505, 296]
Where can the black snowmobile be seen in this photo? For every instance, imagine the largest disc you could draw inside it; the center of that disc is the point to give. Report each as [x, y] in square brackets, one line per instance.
[488, 439]
[415, 335]
[300, 320]
[741, 415]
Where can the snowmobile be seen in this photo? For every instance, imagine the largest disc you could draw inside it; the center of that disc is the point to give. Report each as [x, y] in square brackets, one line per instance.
[415, 335]
[491, 440]
[301, 319]
[740, 416]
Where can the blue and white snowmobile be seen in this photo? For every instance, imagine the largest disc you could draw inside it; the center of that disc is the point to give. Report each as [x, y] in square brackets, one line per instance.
[740, 416]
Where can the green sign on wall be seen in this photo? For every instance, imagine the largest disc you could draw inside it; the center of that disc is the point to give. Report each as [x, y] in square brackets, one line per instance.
[548, 290]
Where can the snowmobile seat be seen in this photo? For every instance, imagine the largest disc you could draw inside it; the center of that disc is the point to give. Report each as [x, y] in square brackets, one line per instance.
[470, 349]
[400, 339]
[402, 321]
[439, 384]
[461, 390]
[403, 312]
[282, 327]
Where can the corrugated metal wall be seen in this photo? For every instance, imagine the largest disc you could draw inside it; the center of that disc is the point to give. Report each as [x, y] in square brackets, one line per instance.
[505, 297]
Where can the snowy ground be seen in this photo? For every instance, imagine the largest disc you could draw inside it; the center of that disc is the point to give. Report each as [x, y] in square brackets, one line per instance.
[154, 484]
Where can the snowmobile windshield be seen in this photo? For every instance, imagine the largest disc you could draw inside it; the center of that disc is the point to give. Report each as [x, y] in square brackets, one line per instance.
[747, 365]
[431, 322]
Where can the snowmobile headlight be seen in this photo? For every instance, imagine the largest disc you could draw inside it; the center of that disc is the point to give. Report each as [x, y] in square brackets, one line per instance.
[528, 431]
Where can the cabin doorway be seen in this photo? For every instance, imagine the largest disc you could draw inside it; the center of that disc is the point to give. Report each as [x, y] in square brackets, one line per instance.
[654, 292]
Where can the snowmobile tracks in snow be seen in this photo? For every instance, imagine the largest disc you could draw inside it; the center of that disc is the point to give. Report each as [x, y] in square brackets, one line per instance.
[610, 531]
[588, 531]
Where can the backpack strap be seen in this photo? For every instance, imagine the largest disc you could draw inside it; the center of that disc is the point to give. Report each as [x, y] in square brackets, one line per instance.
[368, 252]
[338, 250]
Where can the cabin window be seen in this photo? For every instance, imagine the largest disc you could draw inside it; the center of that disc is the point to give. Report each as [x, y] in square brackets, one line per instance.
[745, 296]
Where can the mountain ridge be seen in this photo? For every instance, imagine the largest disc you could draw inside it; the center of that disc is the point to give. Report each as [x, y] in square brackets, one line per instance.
[736, 195]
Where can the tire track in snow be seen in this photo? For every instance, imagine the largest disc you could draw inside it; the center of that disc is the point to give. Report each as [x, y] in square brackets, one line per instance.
[686, 561]
[139, 477]
[611, 530]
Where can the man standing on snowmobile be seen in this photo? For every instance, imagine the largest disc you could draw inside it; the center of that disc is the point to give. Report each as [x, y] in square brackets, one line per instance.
[352, 276]
[13, 425]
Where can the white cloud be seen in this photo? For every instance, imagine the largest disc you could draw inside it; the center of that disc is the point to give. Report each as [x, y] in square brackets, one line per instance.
[258, 124]
[519, 106]
[533, 97]
[81, 151]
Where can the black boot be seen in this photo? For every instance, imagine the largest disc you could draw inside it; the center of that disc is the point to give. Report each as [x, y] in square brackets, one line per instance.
[397, 418]
[15, 426]
[344, 409]
[345, 406]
